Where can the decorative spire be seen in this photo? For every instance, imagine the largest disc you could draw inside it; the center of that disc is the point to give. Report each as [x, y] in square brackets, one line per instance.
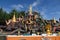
[30, 10]
[14, 18]
[54, 20]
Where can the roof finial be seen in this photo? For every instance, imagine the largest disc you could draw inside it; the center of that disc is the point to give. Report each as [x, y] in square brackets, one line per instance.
[14, 18]
[54, 20]
[30, 10]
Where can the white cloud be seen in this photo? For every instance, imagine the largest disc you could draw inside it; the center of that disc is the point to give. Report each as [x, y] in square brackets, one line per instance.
[6, 9]
[18, 6]
[43, 13]
[35, 3]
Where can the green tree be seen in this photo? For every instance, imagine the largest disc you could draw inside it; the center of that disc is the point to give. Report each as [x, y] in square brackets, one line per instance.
[14, 12]
[2, 18]
[6, 16]
[22, 13]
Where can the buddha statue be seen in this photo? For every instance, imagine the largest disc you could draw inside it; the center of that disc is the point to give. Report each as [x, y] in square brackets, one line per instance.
[48, 29]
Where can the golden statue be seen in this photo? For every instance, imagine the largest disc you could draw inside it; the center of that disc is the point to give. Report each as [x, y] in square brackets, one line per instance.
[14, 18]
[11, 20]
[48, 29]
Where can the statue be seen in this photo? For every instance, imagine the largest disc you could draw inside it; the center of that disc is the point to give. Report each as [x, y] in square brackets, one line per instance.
[11, 20]
[48, 29]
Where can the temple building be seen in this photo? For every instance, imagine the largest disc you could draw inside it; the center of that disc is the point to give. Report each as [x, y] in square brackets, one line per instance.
[31, 23]
[26, 24]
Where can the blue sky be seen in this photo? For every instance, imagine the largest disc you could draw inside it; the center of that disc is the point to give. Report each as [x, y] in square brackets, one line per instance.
[47, 8]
